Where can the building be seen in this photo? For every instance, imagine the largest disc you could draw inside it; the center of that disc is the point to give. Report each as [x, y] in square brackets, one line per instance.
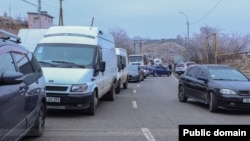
[34, 22]
[12, 25]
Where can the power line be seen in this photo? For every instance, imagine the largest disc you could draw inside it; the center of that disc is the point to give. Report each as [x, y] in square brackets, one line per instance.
[210, 11]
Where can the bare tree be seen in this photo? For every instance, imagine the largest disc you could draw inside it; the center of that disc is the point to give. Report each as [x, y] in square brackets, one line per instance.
[121, 39]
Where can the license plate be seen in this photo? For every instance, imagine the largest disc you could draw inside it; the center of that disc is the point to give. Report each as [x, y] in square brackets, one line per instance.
[246, 100]
[53, 99]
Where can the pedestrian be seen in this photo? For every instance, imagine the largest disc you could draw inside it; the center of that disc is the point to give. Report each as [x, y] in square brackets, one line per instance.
[170, 68]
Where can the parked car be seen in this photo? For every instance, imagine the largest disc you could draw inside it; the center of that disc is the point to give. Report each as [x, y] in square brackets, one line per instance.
[22, 91]
[219, 86]
[181, 67]
[135, 73]
[159, 70]
[145, 71]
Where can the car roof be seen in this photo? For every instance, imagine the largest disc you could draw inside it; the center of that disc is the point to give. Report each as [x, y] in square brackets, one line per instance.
[214, 66]
[8, 46]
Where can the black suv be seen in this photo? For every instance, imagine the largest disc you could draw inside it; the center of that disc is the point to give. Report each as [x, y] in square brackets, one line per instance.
[22, 91]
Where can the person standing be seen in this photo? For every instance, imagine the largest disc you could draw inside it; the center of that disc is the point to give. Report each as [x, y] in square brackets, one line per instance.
[170, 68]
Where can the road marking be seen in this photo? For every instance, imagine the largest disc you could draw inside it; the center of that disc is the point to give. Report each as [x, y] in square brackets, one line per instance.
[134, 90]
[134, 104]
[175, 78]
[147, 134]
[138, 85]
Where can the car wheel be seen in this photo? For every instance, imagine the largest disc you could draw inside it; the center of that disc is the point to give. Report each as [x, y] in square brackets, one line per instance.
[125, 85]
[118, 87]
[38, 128]
[93, 104]
[213, 107]
[181, 94]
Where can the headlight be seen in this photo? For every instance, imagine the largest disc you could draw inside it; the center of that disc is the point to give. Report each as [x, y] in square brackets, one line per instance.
[227, 91]
[79, 88]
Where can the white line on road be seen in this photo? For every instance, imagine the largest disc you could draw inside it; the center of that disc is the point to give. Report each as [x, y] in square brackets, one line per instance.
[134, 104]
[147, 134]
[134, 91]
[138, 85]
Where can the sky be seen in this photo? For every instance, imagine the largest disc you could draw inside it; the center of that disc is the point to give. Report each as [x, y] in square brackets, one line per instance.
[152, 19]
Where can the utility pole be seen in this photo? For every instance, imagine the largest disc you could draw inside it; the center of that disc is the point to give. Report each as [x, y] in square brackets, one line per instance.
[215, 48]
[61, 14]
[38, 10]
[39, 13]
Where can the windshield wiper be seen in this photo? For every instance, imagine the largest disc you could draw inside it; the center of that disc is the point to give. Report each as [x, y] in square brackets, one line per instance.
[224, 79]
[45, 63]
[70, 63]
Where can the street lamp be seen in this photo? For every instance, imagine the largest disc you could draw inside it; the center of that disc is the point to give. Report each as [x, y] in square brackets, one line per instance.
[187, 25]
[38, 10]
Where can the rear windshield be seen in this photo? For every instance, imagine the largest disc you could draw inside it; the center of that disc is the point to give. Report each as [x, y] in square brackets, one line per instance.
[191, 63]
[180, 65]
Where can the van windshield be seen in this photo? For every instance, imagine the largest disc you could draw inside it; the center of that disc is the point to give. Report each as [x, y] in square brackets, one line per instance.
[65, 55]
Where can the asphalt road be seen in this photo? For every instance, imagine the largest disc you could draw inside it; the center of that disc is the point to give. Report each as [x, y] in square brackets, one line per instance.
[146, 111]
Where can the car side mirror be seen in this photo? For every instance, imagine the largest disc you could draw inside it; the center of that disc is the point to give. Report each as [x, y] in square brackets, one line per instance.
[11, 77]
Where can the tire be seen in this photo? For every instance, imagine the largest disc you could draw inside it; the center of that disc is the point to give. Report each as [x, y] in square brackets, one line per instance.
[142, 77]
[38, 128]
[181, 94]
[155, 74]
[118, 87]
[213, 106]
[125, 85]
[110, 96]
[93, 104]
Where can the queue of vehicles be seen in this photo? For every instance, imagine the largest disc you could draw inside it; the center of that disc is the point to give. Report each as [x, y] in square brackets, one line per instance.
[73, 67]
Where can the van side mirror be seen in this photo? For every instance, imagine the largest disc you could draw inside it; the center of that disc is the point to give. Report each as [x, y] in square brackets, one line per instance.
[11, 77]
[102, 66]
[122, 66]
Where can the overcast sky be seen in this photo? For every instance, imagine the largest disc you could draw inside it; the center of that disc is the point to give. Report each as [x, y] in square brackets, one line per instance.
[155, 19]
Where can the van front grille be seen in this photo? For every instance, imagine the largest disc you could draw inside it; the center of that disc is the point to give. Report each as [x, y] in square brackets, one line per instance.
[56, 88]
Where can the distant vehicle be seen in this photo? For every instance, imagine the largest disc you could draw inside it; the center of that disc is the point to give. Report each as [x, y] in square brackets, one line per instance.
[156, 70]
[181, 67]
[138, 59]
[135, 73]
[145, 71]
[79, 65]
[122, 68]
[31, 37]
[219, 86]
[22, 91]
[157, 61]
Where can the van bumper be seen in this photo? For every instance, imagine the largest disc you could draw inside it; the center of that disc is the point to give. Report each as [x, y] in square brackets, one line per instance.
[68, 101]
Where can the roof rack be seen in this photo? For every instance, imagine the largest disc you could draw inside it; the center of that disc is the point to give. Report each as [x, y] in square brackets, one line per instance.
[8, 36]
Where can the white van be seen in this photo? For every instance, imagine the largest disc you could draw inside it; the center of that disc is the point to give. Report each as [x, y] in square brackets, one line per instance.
[122, 68]
[31, 37]
[80, 67]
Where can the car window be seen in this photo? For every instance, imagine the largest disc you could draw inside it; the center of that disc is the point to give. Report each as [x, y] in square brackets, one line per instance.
[6, 63]
[192, 72]
[23, 63]
[201, 74]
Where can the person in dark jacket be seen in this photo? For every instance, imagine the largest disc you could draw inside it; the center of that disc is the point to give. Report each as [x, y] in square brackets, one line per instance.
[170, 68]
